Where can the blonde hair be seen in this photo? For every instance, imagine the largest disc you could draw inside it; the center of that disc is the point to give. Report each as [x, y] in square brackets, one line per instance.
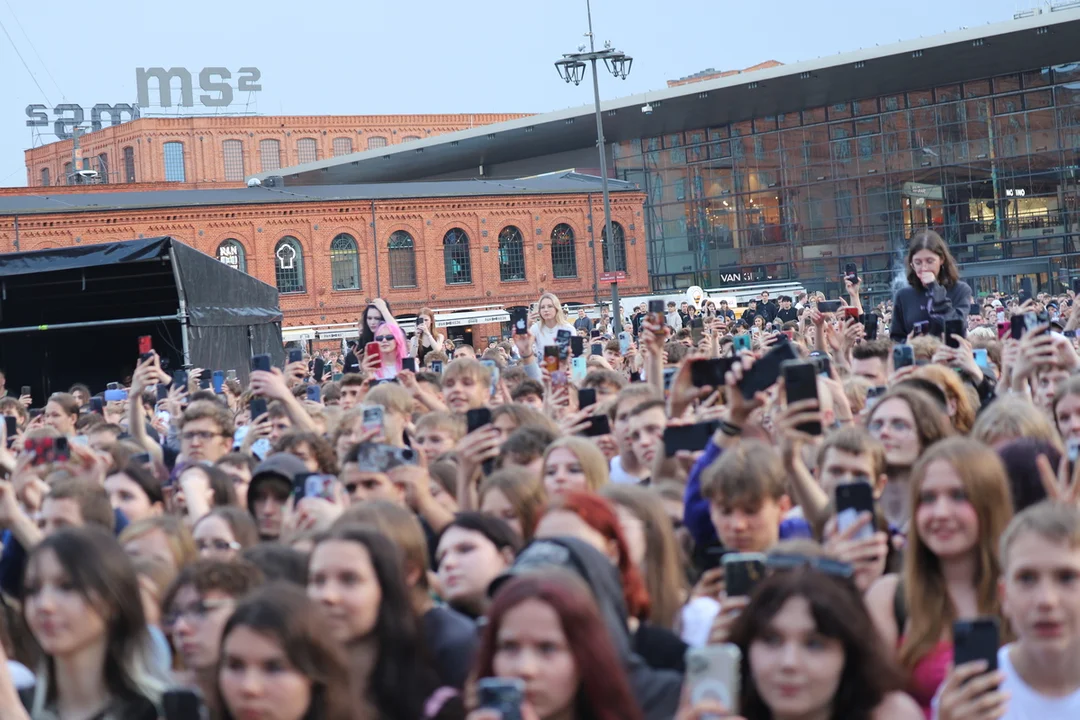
[925, 346]
[467, 367]
[523, 490]
[593, 462]
[1055, 522]
[856, 389]
[1009, 418]
[445, 421]
[392, 397]
[176, 534]
[560, 316]
[930, 610]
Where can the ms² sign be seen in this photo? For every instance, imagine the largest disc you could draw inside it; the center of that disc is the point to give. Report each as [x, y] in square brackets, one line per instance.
[214, 82]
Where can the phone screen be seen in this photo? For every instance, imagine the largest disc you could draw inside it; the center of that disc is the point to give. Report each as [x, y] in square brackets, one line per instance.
[800, 383]
[852, 500]
[261, 362]
[766, 371]
[477, 418]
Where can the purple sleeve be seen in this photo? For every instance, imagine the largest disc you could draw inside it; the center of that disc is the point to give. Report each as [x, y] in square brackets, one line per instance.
[695, 507]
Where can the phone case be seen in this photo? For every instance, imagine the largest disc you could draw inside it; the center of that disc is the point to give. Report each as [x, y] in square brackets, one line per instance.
[713, 673]
[742, 571]
[853, 499]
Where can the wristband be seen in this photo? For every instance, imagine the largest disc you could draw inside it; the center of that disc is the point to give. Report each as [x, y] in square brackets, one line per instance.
[729, 429]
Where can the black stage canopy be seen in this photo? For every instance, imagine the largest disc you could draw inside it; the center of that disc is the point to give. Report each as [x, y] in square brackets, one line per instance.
[75, 314]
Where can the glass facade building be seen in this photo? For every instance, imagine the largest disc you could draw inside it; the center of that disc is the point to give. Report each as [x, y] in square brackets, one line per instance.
[991, 164]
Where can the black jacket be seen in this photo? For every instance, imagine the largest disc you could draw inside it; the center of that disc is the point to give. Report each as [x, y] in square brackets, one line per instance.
[934, 304]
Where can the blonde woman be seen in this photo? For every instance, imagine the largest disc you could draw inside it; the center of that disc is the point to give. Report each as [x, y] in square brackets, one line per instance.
[551, 320]
[573, 464]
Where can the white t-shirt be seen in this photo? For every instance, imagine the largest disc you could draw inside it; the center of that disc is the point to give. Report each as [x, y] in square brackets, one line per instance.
[619, 476]
[546, 336]
[1026, 704]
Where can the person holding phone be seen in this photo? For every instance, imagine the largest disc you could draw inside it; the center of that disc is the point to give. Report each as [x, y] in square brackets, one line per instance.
[934, 292]
[375, 315]
[548, 321]
[392, 348]
[426, 338]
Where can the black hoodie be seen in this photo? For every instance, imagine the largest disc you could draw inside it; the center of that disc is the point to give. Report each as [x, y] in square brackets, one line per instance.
[656, 691]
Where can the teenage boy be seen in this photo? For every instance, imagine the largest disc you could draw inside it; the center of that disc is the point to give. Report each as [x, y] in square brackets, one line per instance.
[1038, 675]
[870, 360]
[645, 426]
[438, 433]
[206, 432]
[626, 467]
[466, 385]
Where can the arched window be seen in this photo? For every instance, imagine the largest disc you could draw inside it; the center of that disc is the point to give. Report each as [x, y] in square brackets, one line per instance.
[344, 263]
[233, 152]
[376, 141]
[511, 254]
[402, 260]
[563, 252]
[45, 177]
[129, 164]
[289, 265]
[67, 173]
[456, 260]
[619, 247]
[410, 138]
[342, 146]
[103, 167]
[174, 162]
[270, 155]
[306, 150]
[232, 253]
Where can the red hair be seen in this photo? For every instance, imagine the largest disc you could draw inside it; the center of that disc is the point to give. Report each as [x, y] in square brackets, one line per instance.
[604, 687]
[598, 514]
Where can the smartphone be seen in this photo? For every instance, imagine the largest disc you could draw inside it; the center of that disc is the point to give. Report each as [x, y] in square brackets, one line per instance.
[230, 375]
[851, 273]
[11, 426]
[204, 384]
[953, 327]
[436, 367]
[981, 358]
[183, 704]
[551, 358]
[257, 407]
[697, 330]
[800, 383]
[521, 327]
[296, 356]
[829, 306]
[494, 367]
[687, 437]
[625, 340]
[822, 362]
[741, 343]
[586, 397]
[598, 425]
[1068, 333]
[921, 328]
[112, 386]
[373, 417]
[503, 695]
[579, 368]
[850, 312]
[852, 500]
[1017, 326]
[162, 392]
[577, 345]
[669, 377]
[318, 368]
[562, 341]
[1025, 289]
[314, 486]
[97, 405]
[313, 393]
[1076, 285]
[656, 312]
[594, 333]
[219, 382]
[261, 362]
[372, 350]
[903, 356]
[408, 363]
[477, 418]
[710, 372]
[47, 450]
[742, 571]
[596, 349]
[765, 372]
[977, 639]
[713, 673]
[870, 326]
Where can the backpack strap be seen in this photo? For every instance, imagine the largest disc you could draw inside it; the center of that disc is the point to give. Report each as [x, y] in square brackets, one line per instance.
[900, 608]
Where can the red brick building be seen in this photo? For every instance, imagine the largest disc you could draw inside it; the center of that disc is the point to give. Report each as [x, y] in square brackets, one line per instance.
[227, 149]
[457, 246]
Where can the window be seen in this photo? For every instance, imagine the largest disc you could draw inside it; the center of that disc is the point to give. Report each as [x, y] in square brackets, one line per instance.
[619, 247]
[67, 173]
[231, 253]
[270, 155]
[174, 162]
[306, 150]
[103, 167]
[563, 253]
[342, 146]
[233, 150]
[410, 138]
[511, 254]
[289, 264]
[402, 260]
[344, 263]
[45, 177]
[129, 164]
[456, 260]
[376, 141]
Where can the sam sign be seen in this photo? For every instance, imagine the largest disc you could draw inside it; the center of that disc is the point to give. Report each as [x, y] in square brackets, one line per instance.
[612, 277]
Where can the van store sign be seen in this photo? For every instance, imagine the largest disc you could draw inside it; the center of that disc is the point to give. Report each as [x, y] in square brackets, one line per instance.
[218, 87]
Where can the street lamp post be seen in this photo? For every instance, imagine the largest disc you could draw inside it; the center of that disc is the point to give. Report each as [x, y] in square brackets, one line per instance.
[572, 69]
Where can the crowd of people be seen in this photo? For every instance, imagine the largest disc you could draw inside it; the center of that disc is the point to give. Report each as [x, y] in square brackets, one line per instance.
[808, 509]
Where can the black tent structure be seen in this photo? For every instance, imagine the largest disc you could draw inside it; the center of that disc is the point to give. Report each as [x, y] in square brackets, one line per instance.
[75, 314]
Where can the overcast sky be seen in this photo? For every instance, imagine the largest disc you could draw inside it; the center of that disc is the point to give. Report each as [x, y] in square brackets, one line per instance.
[335, 57]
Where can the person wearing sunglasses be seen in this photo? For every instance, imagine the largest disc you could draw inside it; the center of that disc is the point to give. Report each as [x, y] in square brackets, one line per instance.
[392, 349]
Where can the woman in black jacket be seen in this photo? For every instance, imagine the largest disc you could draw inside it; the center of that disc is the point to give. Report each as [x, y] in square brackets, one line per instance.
[935, 292]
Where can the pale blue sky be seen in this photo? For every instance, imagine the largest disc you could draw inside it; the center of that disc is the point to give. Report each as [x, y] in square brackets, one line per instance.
[334, 57]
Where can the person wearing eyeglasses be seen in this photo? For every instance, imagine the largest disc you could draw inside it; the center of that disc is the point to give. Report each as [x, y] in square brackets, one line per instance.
[223, 533]
[195, 610]
[934, 292]
[206, 432]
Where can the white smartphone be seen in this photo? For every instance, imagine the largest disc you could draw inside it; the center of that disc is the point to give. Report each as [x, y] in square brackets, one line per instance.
[373, 417]
[712, 673]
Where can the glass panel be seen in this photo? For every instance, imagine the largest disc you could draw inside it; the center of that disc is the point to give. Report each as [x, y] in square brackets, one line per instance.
[457, 264]
[342, 146]
[376, 141]
[839, 111]
[270, 155]
[231, 252]
[103, 167]
[344, 263]
[765, 124]
[865, 107]
[233, 152]
[813, 115]
[174, 161]
[619, 247]
[563, 252]
[129, 164]
[949, 93]
[511, 254]
[45, 177]
[1005, 84]
[402, 259]
[289, 265]
[307, 150]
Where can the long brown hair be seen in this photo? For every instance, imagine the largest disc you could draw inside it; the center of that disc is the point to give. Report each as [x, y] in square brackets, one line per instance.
[948, 275]
[929, 608]
[931, 420]
[956, 391]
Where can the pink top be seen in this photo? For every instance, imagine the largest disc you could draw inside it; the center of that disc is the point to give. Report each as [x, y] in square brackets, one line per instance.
[929, 673]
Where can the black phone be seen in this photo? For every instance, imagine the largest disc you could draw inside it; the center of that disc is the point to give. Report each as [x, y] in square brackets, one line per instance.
[800, 383]
[710, 372]
[97, 405]
[594, 334]
[519, 317]
[586, 397]
[598, 425]
[687, 437]
[204, 384]
[953, 327]
[577, 345]
[1017, 326]
[296, 356]
[183, 704]
[597, 349]
[477, 418]
[257, 406]
[829, 306]
[870, 326]
[313, 393]
[503, 695]
[714, 556]
[162, 392]
[261, 362]
[26, 391]
[742, 571]
[765, 372]
[822, 362]
[852, 500]
[11, 426]
[436, 367]
[851, 272]
[318, 369]
[977, 639]
[521, 327]
[408, 363]
[1025, 289]
[1076, 285]
[141, 458]
[903, 356]
[697, 330]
